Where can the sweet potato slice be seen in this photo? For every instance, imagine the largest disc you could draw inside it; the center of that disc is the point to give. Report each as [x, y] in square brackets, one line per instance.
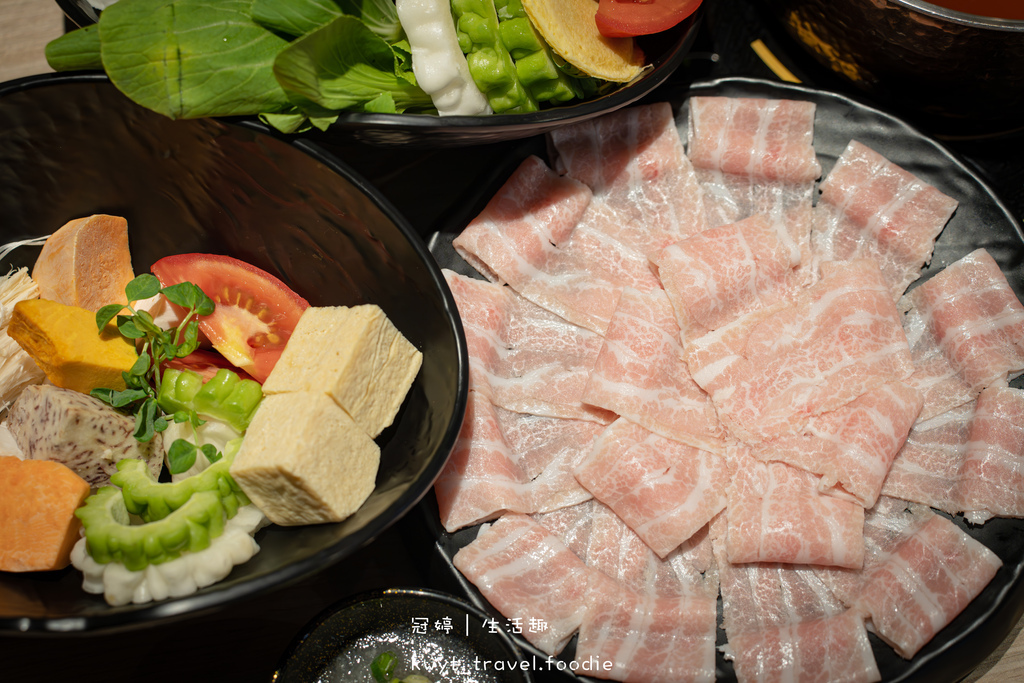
[86, 263]
[38, 527]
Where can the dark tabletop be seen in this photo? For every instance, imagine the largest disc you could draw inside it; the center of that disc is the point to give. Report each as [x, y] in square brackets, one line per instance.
[244, 641]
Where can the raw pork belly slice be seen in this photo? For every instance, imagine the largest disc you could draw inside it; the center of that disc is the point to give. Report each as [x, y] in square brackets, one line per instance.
[522, 357]
[970, 459]
[756, 138]
[637, 638]
[725, 272]
[664, 490]
[752, 156]
[527, 237]
[890, 522]
[782, 623]
[603, 541]
[924, 584]
[511, 462]
[834, 649]
[646, 195]
[776, 514]
[640, 374]
[871, 208]
[927, 468]
[480, 481]
[771, 370]
[968, 316]
[526, 572]
[852, 448]
[992, 475]
[523, 223]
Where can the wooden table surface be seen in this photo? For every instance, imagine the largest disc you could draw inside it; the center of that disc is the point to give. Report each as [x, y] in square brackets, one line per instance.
[26, 27]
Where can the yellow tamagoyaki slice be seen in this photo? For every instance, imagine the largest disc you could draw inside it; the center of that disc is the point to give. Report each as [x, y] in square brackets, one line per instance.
[65, 344]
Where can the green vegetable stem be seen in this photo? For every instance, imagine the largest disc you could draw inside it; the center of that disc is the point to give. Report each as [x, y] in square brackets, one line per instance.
[156, 346]
[490, 64]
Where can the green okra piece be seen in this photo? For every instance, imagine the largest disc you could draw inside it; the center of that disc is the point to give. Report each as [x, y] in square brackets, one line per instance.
[490, 64]
[152, 500]
[534, 61]
[110, 536]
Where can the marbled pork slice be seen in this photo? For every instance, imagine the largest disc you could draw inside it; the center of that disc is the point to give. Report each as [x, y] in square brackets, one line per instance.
[967, 326]
[834, 649]
[969, 459]
[480, 481]
[871, 208]
[526, 572]
[927, 469]
[851, 448]
[724, 272]
[770, 371]
[924, 584]
[992, 474]
[890, 522]
[777, 514]
[505, 461]
[602, 540]
[783, 623]
[522, 357]
[640, 374]
[646, 195]
[664, 490]
[525, 237]
[636, 637]
[752, 155]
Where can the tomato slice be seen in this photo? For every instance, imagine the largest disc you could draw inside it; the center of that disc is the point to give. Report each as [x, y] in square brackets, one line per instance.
[206, 363]
[624, 18]
[255, 314]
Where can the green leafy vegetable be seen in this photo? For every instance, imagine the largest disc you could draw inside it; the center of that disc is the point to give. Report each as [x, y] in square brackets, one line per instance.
[142, 381]
[191, 58]
[298, 17]
[76, 50]
[345, 65]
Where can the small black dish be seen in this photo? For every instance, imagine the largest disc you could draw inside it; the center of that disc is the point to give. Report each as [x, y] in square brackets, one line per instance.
[433, 634]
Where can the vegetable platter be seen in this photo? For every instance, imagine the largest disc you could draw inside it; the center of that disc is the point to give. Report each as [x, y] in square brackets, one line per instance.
[284, 206]
[427, 73]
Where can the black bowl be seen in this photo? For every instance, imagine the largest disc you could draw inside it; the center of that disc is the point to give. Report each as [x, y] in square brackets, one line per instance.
[961, 74]
[665, 51]
[439, 635]
[72, 145]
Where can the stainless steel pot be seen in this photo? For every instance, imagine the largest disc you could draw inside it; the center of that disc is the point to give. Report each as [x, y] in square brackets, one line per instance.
[963, 69]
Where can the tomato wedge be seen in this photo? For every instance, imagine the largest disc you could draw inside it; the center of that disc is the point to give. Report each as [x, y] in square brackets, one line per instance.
[255, 314]
[206, 363]
[625, 18]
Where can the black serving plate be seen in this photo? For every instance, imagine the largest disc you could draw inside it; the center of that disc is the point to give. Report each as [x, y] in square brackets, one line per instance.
[73, 145]
[433, 633]
[981, 220]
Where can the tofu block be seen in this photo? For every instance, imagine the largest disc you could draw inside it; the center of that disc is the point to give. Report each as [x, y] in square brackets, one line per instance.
[305, 461]
[356, 355]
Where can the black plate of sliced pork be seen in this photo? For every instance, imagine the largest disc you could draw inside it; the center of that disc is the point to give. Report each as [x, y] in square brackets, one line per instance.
[743, 396]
